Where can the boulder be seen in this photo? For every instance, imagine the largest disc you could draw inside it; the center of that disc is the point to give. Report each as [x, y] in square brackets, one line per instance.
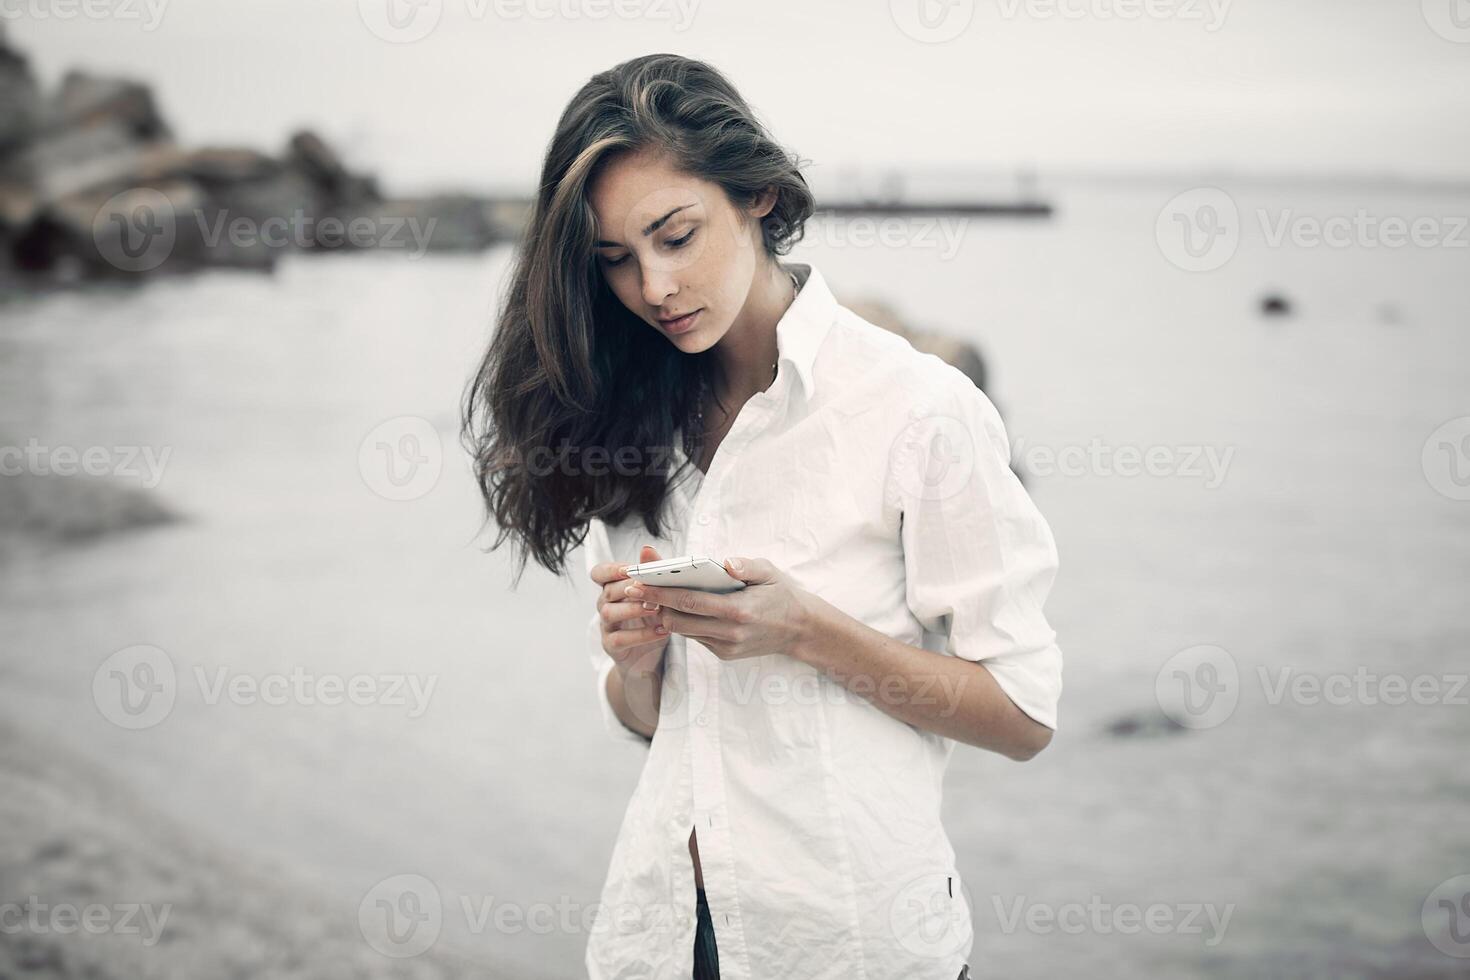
[319, 163]
[960, 353]
[171, 226]
[442, 223]
[1275, 304]
[20, 106]
[88, 100]
[74, 509]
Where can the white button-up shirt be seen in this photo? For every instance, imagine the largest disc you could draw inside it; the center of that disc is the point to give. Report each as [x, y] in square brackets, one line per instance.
[878, 478]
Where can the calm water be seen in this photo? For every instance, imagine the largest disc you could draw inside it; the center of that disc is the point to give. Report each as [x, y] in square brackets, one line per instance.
[1321, 547]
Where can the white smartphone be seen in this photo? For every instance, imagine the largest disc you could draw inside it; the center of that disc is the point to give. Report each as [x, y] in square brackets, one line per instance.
[689, 572]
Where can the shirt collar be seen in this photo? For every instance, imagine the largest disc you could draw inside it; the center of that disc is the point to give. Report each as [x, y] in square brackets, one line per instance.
[804, 325]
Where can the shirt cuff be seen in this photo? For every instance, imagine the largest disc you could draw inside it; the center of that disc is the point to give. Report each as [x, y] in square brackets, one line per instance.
[1033, 681]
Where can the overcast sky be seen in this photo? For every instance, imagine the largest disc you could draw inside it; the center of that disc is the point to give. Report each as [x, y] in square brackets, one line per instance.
[1271, 86]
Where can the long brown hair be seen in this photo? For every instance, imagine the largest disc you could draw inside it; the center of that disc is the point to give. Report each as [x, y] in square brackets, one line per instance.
[571, 376]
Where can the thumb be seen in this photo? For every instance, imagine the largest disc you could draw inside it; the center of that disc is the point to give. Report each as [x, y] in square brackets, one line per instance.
[648, 553]
[751, 570]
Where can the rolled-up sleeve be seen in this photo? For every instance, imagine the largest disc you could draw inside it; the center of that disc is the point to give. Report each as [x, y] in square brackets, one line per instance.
[979, 559]
[598, 550]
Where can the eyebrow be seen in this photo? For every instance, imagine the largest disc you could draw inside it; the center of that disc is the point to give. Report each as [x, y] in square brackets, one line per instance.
[655, 226]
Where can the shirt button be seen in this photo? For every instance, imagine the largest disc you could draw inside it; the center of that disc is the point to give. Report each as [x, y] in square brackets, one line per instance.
[704, 518]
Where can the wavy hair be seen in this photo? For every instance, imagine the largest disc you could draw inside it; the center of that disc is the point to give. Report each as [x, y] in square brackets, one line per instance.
[569, 369]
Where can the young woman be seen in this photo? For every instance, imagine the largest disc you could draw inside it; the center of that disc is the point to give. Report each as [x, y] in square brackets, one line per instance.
[660, 384]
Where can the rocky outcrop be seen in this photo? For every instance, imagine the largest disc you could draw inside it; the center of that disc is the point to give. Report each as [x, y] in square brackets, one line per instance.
[959, 353]
[93, 184]
[60, 510]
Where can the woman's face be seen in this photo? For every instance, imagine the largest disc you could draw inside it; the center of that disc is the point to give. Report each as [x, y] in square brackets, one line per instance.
[671, 244]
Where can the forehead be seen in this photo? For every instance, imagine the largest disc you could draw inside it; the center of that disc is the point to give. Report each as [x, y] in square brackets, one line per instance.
[633, 189]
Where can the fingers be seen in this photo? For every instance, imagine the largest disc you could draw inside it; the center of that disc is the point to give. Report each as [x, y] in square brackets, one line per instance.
[608, 571]
[618, 592]
[618, 614]
[611, 571]
[690, 601]
[620, 643]
[700, 627]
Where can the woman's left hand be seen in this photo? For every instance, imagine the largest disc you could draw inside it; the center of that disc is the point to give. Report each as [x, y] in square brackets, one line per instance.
[770, 615]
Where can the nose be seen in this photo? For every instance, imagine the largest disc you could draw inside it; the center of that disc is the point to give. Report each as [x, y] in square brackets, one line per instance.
[658, 286]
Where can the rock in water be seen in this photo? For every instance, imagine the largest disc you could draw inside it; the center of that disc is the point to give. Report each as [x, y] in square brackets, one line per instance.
[1274, 304]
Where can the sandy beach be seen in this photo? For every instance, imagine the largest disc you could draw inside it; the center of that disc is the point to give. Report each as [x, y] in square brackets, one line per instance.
[162, 900]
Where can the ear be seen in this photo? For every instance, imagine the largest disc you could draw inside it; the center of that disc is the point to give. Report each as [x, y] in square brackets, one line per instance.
[763, 204]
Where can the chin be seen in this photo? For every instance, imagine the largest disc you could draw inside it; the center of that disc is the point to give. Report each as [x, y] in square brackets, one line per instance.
[694, 341]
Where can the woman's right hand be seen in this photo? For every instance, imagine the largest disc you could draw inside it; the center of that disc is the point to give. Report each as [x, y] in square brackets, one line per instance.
[627, 628]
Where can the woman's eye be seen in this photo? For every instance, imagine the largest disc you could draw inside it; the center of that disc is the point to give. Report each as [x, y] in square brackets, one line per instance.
[671, 242]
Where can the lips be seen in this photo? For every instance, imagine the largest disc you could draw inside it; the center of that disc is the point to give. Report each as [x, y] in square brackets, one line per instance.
[683, 323]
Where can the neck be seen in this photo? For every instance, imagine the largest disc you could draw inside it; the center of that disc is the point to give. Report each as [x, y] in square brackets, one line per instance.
[748, 349]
